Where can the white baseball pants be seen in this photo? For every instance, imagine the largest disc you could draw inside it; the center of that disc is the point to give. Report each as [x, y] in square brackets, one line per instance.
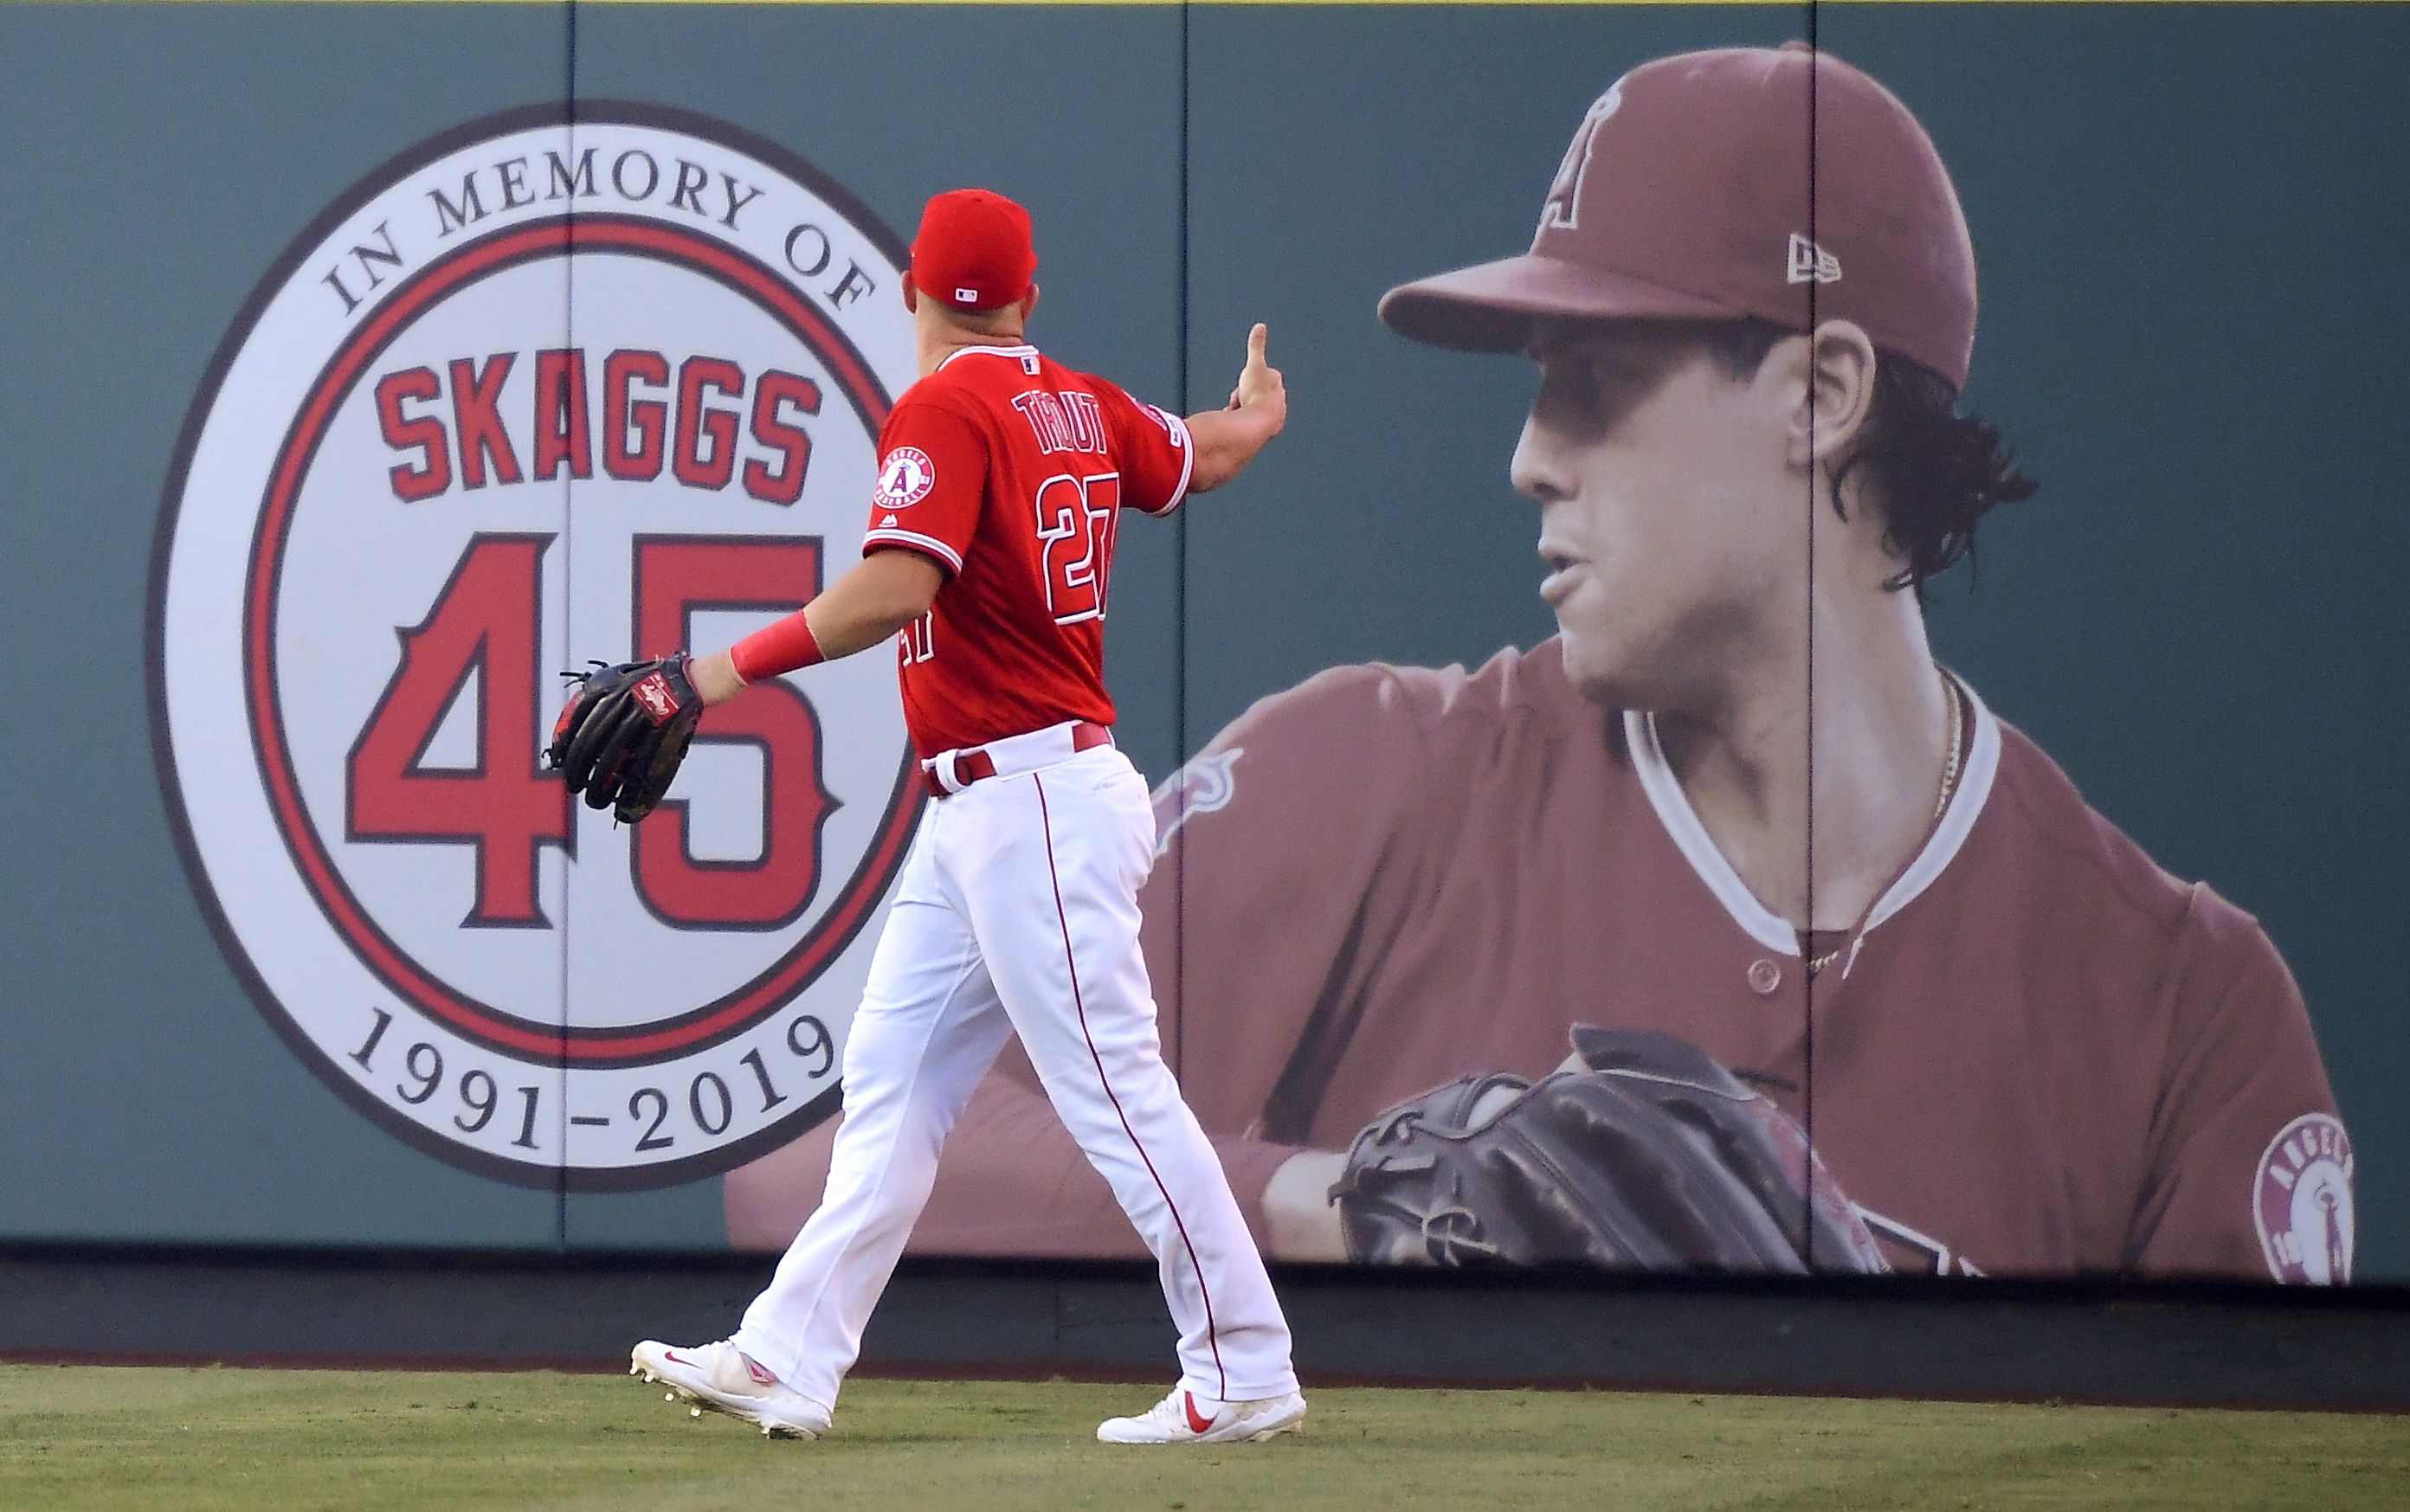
[1017, 910]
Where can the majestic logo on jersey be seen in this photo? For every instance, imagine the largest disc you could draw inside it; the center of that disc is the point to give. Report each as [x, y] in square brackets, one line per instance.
[1201, 787]
[537, 391]
[905, 478]
[2301, 1200]
[1563, 207]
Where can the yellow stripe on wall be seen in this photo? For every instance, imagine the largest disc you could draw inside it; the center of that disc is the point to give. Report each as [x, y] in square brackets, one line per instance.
[1394, 5]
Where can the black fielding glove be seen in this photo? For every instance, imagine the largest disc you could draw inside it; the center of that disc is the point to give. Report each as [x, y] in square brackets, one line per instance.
[624, 731]
[1647, 1156]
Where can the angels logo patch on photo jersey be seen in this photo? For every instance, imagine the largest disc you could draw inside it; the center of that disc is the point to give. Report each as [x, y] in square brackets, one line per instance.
[418, 481]
[2301, 1200]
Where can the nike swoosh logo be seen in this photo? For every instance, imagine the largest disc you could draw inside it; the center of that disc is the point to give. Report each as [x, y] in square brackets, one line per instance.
[672, 1355]
[1196, 1423]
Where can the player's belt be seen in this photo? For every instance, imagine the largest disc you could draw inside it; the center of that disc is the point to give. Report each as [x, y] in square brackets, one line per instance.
[952, 771]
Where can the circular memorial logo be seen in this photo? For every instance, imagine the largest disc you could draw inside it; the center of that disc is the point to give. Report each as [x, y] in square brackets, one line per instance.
[542, 391]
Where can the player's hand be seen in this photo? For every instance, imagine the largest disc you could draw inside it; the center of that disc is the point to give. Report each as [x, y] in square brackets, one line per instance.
[1260, 390]
[715, 678]
[1227, 439]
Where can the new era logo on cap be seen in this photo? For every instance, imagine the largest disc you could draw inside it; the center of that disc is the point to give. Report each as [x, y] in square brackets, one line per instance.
[1810, 263]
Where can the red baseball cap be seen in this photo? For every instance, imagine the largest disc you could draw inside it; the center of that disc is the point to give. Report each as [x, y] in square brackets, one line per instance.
[1686, 196]
[974, 251]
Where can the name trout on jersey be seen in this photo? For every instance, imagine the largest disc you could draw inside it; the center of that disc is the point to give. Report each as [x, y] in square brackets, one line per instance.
[1063, 422]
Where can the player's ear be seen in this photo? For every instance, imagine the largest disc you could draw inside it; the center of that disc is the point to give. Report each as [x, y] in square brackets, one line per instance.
[1028, 303]
[911, 297]
[1834, 374]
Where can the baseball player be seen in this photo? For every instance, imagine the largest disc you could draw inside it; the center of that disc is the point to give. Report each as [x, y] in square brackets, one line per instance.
[1002, 477]
[2019, 1045]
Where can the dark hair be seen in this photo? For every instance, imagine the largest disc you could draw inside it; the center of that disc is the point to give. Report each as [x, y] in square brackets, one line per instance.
[1937, 471]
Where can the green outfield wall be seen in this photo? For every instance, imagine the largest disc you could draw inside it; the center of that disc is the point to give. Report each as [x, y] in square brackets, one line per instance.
[300, 951]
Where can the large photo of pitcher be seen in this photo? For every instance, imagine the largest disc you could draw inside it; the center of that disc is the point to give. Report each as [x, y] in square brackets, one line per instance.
[1726, 928]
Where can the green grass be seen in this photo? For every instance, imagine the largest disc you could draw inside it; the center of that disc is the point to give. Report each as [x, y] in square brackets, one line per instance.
[195, 1440]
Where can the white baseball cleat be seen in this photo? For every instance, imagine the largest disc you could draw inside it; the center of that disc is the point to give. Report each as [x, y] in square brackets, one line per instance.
[724, 1378]
[1185, 1418]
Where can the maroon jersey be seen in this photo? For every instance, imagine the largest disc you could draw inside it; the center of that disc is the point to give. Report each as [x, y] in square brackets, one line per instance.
[1009, 470]
[2045, 1058]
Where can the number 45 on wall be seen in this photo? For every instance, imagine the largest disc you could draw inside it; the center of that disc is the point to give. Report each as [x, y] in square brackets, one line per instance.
[487, 621]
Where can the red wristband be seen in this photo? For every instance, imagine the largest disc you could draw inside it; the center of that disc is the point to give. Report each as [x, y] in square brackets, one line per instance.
[780, 648]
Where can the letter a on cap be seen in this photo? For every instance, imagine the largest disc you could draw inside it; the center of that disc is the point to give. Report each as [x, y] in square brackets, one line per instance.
[1564, 195]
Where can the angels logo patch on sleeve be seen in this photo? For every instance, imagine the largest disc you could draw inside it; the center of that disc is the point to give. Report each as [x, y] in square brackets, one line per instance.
[905, 478]
[2301, 1200]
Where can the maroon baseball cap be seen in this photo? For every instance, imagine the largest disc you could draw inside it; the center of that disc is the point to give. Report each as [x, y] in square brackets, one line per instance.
[974, 250]
[1686, 196]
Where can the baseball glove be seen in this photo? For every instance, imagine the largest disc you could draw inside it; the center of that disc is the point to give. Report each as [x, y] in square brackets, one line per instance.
[623, 732]
[1648, 1155]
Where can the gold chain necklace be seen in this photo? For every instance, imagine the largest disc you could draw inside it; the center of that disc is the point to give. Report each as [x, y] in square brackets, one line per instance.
[1948, 784]
[1958, 732]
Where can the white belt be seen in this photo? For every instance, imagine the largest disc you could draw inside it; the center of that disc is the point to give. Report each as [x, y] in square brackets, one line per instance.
[952, 771]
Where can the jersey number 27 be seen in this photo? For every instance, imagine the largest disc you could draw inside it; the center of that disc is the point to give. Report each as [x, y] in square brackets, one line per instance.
[1075, 536]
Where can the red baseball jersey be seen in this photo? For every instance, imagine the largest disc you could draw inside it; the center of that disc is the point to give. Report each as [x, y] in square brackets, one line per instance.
[2047, 1056]
[1010, 471]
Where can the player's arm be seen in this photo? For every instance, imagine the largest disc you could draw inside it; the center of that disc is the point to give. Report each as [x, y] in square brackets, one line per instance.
[933, 462]
[1227, 439]
[887, 591]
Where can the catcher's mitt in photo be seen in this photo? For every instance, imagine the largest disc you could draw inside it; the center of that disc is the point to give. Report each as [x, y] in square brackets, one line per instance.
[624, 731]
[1644, 1153]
